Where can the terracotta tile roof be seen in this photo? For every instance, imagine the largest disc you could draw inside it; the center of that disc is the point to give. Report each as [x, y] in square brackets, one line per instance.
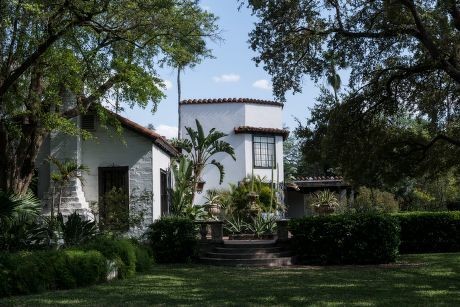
[320, 178]
[321, 182]
[231, 100]
[159, 140]
[274, 131]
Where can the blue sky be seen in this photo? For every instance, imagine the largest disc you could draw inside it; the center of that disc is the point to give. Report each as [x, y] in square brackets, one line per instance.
[231, 74]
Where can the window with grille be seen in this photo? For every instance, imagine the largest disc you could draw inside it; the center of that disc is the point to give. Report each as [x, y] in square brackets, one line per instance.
[263, 151]
[88, 122]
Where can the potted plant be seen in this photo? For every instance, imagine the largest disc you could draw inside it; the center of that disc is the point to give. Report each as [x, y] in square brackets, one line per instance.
[199, 185]
[213, 199]
[325, 202]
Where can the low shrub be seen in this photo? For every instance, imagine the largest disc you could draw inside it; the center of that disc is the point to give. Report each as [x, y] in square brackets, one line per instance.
[172, 239]
[86, 267]
[143, 259]
[32, 272]
[122, 251]
[427, 232]
[345, 239]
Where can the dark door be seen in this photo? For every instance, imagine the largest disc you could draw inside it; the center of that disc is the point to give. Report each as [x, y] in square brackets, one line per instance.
[113, 197]
[164, 192]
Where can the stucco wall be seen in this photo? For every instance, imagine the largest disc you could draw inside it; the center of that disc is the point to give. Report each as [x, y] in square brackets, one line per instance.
[225, 117]
[160, 161]
[130, 149]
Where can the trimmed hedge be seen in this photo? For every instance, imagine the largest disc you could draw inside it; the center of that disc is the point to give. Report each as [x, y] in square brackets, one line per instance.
[32, 272]
[428, 232]
[345, 239]
[173, 239]
[122, 251]
[36, 271]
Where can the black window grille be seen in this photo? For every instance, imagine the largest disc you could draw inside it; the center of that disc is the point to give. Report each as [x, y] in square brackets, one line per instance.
[263, 151]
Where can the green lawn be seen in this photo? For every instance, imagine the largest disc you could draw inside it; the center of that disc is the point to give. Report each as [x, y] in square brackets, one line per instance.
[426, 280]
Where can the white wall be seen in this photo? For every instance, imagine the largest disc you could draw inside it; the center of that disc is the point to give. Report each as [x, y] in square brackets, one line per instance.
[264, 116]
[160, 161]
[130, 149]
[225, 117]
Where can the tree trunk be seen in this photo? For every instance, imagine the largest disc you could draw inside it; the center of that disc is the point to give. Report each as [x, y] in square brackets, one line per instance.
[178, 101]
[17, 156]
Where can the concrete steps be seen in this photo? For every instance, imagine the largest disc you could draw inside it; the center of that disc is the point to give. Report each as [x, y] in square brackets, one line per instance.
[248, 253]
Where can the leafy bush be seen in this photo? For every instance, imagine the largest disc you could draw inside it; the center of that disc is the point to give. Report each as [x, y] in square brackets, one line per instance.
[374, 201]
[75, 230]
[345, 239]
[143, 259]
[31, 272]
[236, 201]
[172, 239]
[122, 251]
[87, 268]
[423, 232]
[18, 220]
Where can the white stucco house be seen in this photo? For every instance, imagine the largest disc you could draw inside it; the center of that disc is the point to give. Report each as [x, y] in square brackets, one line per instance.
[255, 130]
[137, 161]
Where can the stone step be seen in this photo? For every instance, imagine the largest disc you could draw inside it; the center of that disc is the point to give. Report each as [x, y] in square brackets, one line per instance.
[248, 255]
[249, 243]
[247, 250]
[281, 261]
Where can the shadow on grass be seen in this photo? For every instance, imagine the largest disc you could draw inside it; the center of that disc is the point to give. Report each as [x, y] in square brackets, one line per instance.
[437, 281]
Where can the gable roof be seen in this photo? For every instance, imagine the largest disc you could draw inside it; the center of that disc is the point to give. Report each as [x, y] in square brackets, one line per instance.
[152, 135]
[272, 131]
[231, 100]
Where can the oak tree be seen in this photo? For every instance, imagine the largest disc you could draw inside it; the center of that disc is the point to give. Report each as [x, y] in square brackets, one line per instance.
[94, 49]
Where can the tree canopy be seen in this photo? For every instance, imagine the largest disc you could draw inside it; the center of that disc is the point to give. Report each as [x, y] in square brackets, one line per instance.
[98, 50]
[399, 112]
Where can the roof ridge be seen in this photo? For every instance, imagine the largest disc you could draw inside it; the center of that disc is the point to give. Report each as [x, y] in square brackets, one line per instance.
[230, 100]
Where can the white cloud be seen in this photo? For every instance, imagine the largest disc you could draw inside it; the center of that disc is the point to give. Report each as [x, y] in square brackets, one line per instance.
[168, 84]
[227, 78]
[167, 131]
[262, 84]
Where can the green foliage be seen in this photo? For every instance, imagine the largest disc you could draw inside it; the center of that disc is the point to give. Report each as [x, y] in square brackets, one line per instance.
[31, 272]
[19, 227]
[114, 210]
[75, 230]
[122, 251]
[47, 40]
[345, 239]
[398, 115]
[182, 194]
[324, 202]
[236, 201]
[433, 193]
[201, 148]
[425, 232]
[374, 201]
[172, 239]
[262, 225]
[143, 259]
[86, 267]
[235, 225]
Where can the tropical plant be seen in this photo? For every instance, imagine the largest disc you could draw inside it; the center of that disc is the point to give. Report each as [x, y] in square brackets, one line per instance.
[235, 225]
[67, 171]
[324, 202]
[18, 220]
[262, 225]
[200, 148]
[103, 48]
[182, 193]
[76, 230]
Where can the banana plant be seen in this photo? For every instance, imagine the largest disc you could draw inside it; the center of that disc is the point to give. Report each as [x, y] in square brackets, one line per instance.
[200, 148]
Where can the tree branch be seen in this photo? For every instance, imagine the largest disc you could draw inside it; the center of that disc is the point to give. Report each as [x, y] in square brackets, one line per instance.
[84, 103]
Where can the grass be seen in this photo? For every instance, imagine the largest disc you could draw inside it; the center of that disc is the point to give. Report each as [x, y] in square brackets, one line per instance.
[423, 280]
